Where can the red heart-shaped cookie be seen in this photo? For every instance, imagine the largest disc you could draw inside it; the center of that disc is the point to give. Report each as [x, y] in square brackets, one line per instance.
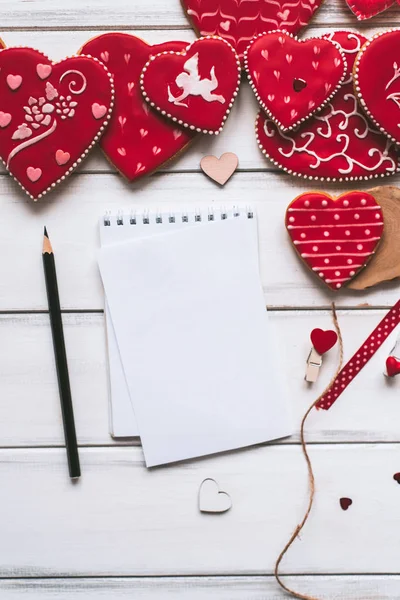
[365, 9]
[335, 236]
[51, 115]
[338, 144]
[138, 140]
[392, 366]
[323, 340]
[377, 81]
[293, 79]
[196, 87]
[239, 21]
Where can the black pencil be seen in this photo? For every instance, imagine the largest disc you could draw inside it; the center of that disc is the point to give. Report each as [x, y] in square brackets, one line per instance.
[61, 358]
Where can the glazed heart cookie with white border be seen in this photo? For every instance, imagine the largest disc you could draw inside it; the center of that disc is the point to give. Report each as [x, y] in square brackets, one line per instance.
[335, 237]
[51, 114]
[293, 79]
[377, 81]
[196, 87]
[239, 21]
[138, 140]
[338, 144]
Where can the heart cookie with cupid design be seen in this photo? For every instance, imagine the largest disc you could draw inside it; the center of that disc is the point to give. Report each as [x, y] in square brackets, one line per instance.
[293, 79]
[335, 237]
[51, 114]
[377, 81]
[195, 88]
[238, 22]
[338, 144]
[138, 140]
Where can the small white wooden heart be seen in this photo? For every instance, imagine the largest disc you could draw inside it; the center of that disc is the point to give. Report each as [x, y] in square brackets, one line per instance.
[220, 169]
[211, 499]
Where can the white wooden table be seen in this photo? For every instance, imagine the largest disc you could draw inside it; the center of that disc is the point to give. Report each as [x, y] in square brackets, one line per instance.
[122, 531]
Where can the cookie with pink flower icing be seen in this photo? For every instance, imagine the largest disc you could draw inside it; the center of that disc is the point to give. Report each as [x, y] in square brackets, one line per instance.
[138, 139]
[338, 144]
[293, 79]
[239, 21]
[377, 81]
[196, 87]
[51, 114]
[335, 237]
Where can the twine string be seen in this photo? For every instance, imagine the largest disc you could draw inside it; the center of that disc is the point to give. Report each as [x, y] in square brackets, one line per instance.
[311, 478]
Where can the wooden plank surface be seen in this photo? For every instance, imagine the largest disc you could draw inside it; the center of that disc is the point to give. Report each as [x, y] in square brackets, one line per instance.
[30, 410]
[201, 588]
[122, 519]
[72, 221]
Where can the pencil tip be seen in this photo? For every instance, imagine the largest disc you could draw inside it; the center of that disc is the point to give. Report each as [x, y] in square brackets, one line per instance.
[47, 249]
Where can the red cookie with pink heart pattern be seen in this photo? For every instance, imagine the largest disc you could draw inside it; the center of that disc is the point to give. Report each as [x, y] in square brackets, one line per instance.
[138, 140]
[338, 144]
[377, 81]
[51, 115]
[335, 237]
[366, 9]
[196, 87]
[293, 79]
[239, 21]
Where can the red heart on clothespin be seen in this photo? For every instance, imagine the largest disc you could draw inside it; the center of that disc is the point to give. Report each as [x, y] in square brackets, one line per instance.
[392, 366]
[323, 340]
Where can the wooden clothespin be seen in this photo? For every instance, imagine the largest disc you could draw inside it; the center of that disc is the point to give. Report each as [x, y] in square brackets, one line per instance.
[322, 341]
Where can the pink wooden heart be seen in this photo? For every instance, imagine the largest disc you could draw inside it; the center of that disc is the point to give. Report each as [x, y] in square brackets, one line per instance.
[219, 169]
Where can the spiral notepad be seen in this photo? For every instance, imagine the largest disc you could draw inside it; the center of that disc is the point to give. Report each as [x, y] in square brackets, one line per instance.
[129, 226]
[188, 314]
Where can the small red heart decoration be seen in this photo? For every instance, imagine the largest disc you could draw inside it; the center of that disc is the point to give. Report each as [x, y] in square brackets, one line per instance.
[377, 81]
[52, 114]
[392, 366]
[396, 477]
[195, 88]
[323, 340]
[345, 503]
[238, 22]
[138, 140]
[337, 144]
[293, 79]
[335, 237]
[365, 9]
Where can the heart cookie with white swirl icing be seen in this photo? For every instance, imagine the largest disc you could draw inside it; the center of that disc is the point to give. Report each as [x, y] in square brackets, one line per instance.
[51, 114]
[293, 79]
[338, 144]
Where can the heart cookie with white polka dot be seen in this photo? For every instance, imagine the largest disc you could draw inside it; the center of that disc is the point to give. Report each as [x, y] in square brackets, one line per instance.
[335, 237]
[51, 114]
[293, 79]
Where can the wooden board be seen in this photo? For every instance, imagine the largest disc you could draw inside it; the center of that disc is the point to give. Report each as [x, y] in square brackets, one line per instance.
[63, 542]
[200, 588]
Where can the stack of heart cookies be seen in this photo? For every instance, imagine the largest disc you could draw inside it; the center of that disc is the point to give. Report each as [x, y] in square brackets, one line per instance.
[330, 106]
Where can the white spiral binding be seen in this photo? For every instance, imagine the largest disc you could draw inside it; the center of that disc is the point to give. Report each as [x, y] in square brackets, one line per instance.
[197, 216]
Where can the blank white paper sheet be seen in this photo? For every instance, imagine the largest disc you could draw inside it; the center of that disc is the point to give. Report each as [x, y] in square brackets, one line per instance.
[189, 318]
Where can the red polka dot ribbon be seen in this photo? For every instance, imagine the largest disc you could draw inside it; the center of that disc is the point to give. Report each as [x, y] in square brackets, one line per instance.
[361, 357]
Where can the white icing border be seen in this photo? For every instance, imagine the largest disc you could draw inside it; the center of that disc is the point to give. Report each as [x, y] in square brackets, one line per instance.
[313, 178]
[97, 136]
[184, 53]
[357, 89]
[253, 85]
